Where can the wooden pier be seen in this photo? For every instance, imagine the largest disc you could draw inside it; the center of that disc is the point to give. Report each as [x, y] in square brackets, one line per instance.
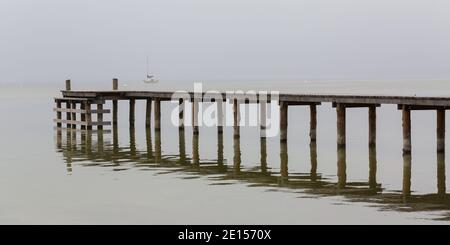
[75, 110]
[80, 102]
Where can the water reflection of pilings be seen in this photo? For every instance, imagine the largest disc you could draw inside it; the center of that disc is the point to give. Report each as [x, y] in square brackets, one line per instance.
[406, 175]
[372, 166]
[284, 163]
[195, 150]
[441, 174]
[341, 167]
[237, 154]
[182, 145]
[313, 158]
[263, 146]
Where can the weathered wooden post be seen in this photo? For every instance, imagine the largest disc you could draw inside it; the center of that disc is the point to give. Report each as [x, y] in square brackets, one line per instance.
[372, 126]
[100, 116]
[313, 123]
[263, 118]
[440, 130]
[88, 115]
[406, 118]
[283, 121]
[68, 106]
[115, 85]
[132, 112]
[195, 105]
[220, 119]
[83, 115]
[74, 114]
[148, 113]
[181, 108]
[157, 112]
[340, 113]
[236, 119]
[58, 114]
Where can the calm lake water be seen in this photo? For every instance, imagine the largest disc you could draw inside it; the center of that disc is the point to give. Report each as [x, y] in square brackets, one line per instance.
[140, 177]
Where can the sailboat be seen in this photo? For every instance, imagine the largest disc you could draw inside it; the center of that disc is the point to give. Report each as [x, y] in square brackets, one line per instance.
[150, 78]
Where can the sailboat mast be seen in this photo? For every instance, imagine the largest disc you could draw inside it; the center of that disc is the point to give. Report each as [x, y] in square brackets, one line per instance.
[147, 65]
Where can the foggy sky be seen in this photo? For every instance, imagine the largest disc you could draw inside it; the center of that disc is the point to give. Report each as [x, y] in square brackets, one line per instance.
[91, 41]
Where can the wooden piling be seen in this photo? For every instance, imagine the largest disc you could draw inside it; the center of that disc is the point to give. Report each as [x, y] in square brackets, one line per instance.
[440, 130]
[157, 115]
[83, 115]
[406, 118]
[182, 145]
[181, 108]
[372, 126]
[340, 111]
[220, 157]
[263, 118]
[283, 121]
[220, 118]
[58, 114]
[88, 115]
[68, 105]
[132, 112]
[195, 105]
[115, 85]
[313, 123]
[148, 113]
[74, 114]
[68, 85]
[100, 116]
[236, 119]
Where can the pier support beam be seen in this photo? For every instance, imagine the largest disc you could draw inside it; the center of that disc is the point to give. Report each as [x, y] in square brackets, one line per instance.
[148, 113]
[157, 114]
[283, 121]
[340, 112]
[236, 119]
[440, 130]
[195, 105]
[115, 85]
[313, 123]
[406, 123]
[372, 126]
[132, 112]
